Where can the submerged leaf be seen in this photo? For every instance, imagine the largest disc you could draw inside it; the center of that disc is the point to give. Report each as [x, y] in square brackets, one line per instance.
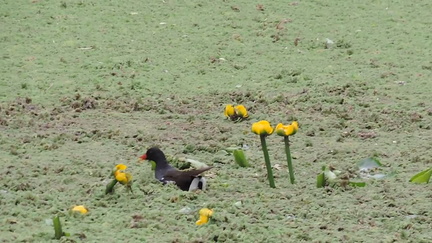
[369, 163]
[422, 177]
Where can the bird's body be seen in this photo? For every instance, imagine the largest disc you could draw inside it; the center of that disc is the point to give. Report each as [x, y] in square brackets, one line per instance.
[165, 173]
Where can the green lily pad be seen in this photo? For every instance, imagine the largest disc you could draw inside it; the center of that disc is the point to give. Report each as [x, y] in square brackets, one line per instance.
[369, 163]
[422, 177]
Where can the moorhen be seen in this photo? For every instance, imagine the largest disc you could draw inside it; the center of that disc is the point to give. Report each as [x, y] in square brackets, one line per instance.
[186, 180]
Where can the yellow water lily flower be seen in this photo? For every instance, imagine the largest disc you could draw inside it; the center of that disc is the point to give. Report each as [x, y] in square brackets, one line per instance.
[80, 209]
[241, 111]
[119, 167]
[205, 215]
[287, 130]
[262, 128]
[123, 178]
[229, 111]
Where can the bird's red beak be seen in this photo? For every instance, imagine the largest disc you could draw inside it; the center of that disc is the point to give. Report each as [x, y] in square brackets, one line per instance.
[143, 157]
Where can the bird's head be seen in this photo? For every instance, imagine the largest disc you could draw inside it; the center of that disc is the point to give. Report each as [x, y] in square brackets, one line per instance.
[153, 154]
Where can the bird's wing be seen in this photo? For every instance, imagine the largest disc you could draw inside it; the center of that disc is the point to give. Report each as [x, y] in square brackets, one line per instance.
[180, 176]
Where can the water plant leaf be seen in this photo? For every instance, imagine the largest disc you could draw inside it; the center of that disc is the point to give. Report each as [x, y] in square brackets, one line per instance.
[240, 158]
[330, 175]
[195, 163]
[231, 149]
[320, 180]
[369, 163]
[58, 232]
[110, 186]
[357, 184]
[422, 177]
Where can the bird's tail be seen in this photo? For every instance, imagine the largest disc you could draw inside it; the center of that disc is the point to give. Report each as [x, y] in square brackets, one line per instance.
[198, 183]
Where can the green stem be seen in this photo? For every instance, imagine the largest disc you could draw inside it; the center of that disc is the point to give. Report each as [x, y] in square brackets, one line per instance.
[288, 156]
[110, 186]
[267, 161]
[58, 232]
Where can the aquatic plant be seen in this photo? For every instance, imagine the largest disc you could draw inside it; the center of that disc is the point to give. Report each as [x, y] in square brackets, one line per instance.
[263, 129]
[120, 176]
[331, 177]
[286, 131]
[236, 113]
[422, 177]
[240, 158]
[58, 230]
[205, 215]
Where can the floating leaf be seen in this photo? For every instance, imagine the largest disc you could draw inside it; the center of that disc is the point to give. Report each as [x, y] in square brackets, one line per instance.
[320, 180]
[357, 184]
[195, 163]
[49, 222]
[422, 177]
[186, 210]
[378, 176]
[231, 149]
[240, 158]
[238, 204]
[369, 163]
[330, 175]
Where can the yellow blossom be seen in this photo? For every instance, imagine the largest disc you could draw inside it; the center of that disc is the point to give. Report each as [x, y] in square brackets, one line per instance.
[80, 209]
[205, 215]
[287, 130]
[262, 128]
[120, 167]
[123, 178]
[229, 110]
[241, 111]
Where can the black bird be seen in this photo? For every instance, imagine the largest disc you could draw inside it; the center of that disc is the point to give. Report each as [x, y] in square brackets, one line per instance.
[186, 180]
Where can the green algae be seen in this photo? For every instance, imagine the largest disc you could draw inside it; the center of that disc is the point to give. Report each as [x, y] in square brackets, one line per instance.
[87, 85]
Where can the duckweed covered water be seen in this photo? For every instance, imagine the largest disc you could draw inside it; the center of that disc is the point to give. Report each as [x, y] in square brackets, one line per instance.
[88, 85]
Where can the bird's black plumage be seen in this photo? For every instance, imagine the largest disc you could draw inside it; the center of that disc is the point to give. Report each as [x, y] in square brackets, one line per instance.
[165, 173]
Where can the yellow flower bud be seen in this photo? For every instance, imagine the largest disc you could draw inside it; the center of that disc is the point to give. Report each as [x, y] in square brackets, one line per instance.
[120, 167]
[241, 111]
[287, 130]
[123, 178]
[205, 215]
[262, 128]
[229, 110]
[80, 209]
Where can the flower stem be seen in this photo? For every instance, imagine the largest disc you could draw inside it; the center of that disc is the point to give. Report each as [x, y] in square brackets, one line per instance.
[110, 186]
[288, 156]
[267, 161]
